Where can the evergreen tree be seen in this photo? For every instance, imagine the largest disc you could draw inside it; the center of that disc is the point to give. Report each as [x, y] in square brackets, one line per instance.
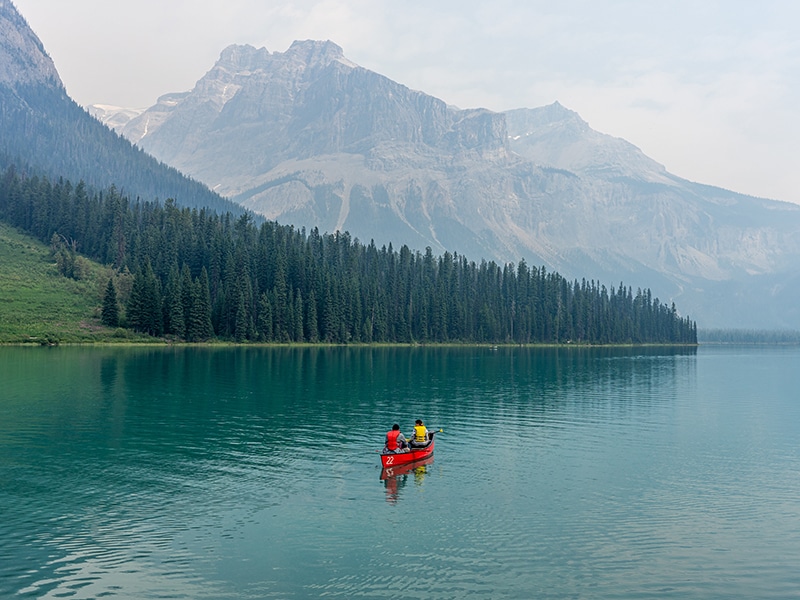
[144, 304]
[187, 297]
[265, 318]
[199, 328]
[241, 329]
[136, 309]
[312, 327]
[298, 317]
[154, 314]
[110, 312]
[174, 319]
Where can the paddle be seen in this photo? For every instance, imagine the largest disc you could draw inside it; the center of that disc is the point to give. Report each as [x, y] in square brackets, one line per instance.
[431, 431]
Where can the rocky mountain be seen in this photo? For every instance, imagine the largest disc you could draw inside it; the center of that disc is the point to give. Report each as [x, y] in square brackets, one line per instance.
[307, 137]
[42, 130]
[558, 137]
[24, 59]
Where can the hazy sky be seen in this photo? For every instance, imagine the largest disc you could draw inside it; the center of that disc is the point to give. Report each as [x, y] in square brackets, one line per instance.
[711, 89]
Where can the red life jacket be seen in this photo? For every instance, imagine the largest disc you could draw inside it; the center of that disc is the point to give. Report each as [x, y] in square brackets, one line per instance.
[391, 439]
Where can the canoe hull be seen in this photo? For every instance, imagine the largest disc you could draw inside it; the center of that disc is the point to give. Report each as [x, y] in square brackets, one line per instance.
[404, 458]
[396, 471]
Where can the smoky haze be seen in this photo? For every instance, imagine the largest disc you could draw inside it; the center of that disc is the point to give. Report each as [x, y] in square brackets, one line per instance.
[708, 89]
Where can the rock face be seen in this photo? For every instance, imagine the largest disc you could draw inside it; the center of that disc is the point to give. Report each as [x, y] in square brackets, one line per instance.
[558, 137]
[307, 102]
[309, 138]
[23, 60]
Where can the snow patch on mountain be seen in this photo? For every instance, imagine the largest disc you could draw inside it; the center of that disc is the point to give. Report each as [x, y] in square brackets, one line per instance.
[114, 116]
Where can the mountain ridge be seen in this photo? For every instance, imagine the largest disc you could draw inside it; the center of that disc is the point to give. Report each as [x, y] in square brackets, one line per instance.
[309, 138]
[559, 137]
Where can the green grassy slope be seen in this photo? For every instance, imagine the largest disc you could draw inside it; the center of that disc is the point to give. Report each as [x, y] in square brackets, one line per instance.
[37, 304]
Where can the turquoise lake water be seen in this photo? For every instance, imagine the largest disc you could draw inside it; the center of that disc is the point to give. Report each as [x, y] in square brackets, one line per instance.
[253, 473]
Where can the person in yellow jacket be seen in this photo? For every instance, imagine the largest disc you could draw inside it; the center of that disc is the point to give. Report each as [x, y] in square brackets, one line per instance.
[421, 437]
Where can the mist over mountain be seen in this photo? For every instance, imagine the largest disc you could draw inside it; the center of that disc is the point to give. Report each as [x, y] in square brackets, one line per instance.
[43, 131]
[307, 137]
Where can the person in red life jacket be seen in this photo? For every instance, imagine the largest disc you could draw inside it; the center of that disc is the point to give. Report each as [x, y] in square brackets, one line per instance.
[395, 441]
[421, 436]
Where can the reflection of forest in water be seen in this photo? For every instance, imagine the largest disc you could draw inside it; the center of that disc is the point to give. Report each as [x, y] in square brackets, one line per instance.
[395, 478]
[130, 471]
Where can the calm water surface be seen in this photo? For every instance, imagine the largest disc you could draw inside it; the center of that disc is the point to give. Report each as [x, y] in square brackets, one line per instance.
[252, 473]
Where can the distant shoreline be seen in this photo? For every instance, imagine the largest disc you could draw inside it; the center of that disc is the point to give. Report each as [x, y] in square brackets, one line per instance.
[226, 344]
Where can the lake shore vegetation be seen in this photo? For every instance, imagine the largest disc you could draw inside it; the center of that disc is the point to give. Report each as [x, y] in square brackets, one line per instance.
[196, 276]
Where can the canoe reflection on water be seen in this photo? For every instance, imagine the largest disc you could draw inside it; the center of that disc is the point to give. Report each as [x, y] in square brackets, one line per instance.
[395, 478]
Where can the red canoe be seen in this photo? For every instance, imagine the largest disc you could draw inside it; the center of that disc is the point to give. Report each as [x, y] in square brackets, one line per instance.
[390, 472]
[403, 458]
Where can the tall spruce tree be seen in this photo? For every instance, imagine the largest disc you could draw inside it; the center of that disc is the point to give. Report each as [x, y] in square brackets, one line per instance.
[174, 319]
[110, 313]
[264, 323]
[199, 327]
[136, 307]
[144, 305]
[240, 326]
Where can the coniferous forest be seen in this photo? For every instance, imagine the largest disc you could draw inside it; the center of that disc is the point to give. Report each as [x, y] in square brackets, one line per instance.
[194, 274]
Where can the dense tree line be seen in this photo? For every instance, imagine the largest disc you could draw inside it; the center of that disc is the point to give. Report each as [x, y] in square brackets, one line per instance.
[196, 274]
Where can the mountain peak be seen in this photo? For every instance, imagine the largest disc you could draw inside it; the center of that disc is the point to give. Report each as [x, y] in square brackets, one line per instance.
[531, 119]
[243, 57]
[23, 59]
[556, 136]
[310, 53]
[315, 51]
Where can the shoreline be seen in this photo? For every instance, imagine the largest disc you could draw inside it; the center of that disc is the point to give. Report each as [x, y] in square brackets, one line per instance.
[226, 344]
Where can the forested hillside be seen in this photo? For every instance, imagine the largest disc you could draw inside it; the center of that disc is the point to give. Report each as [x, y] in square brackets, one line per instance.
[197, 274]
[47, 133]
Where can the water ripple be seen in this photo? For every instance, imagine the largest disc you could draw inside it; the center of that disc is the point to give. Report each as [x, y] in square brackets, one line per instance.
[252, 473]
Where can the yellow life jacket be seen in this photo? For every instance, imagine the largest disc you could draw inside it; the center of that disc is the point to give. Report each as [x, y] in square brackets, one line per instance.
[419, 434]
